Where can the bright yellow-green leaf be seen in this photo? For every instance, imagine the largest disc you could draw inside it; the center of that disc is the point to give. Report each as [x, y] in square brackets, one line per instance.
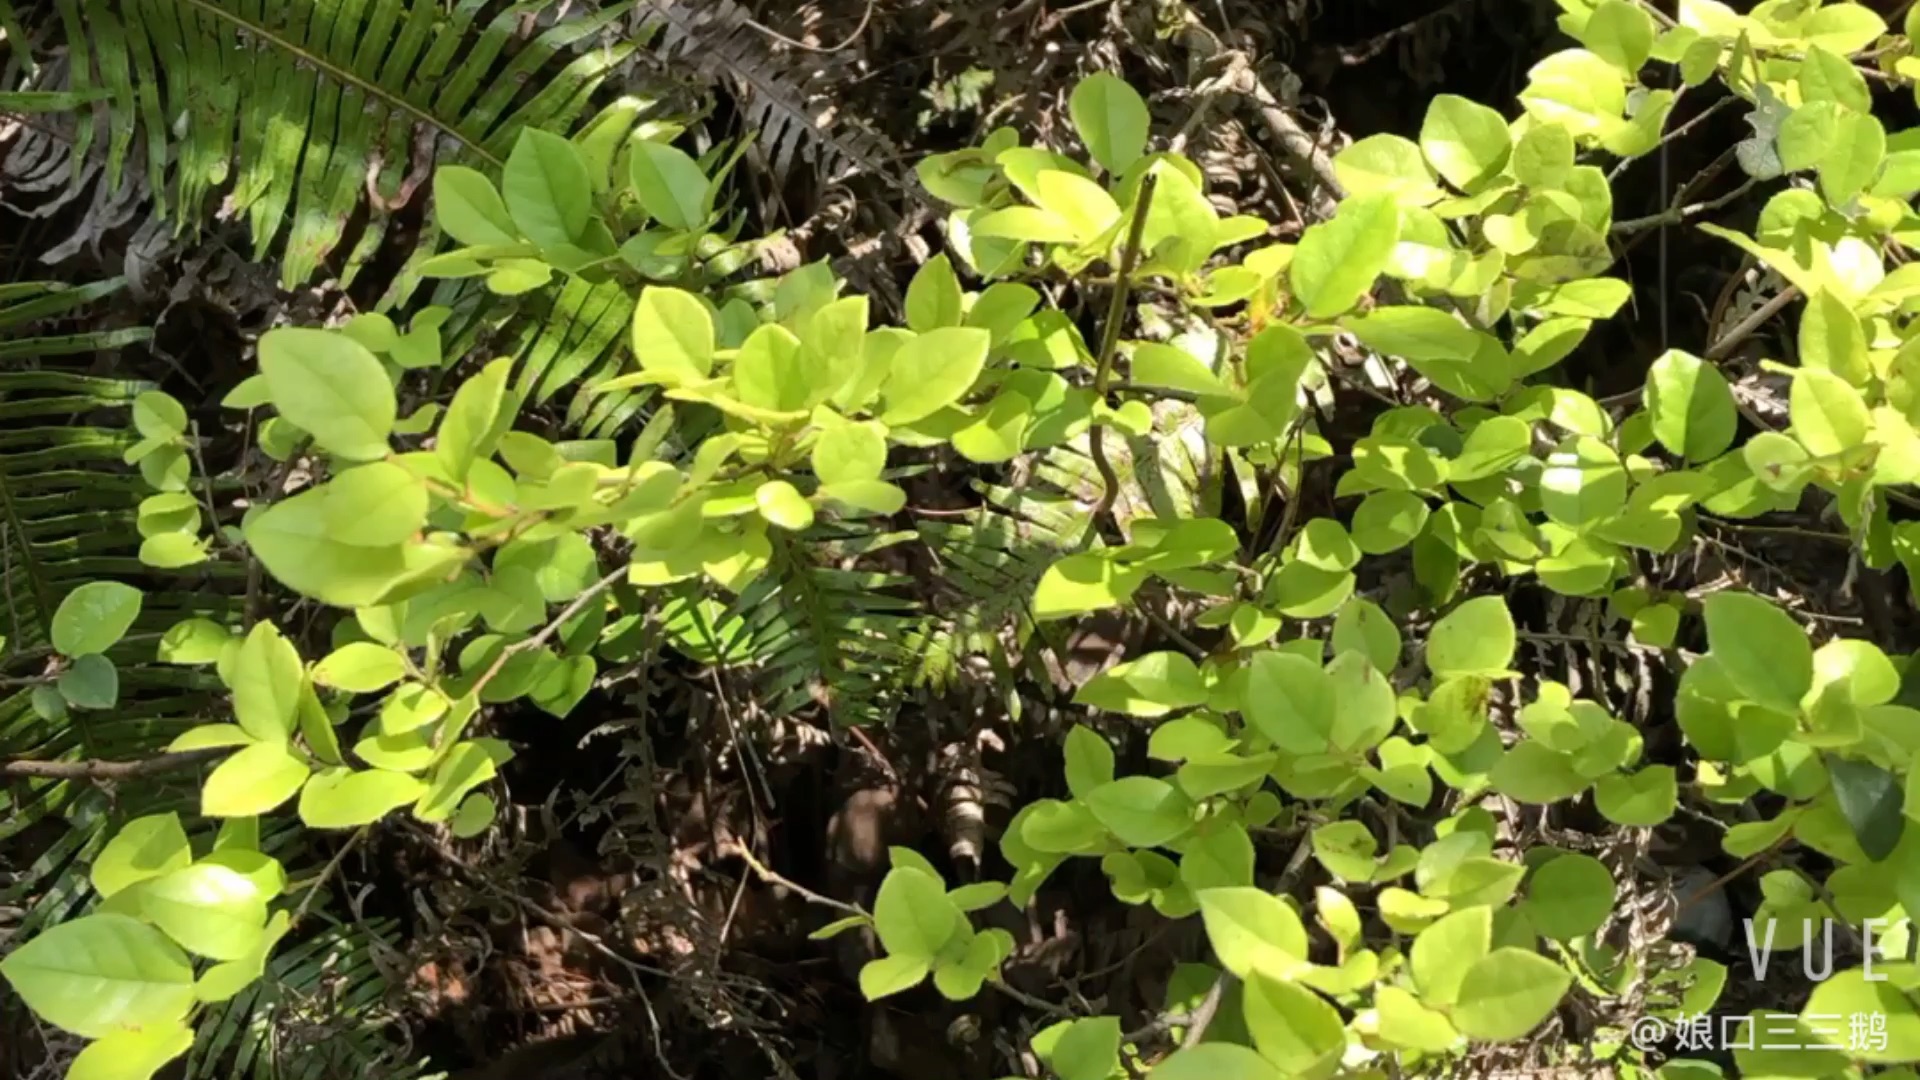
[1252, 930]
[209, 909]
[145, 847]
[470, 209]
[673, 335]
[782, 505]
[1111, 119]
[1763, 653]
[332, 387]
[1507, 993]
[1476, 638]
[1467, 142]
[131, 1055]
[1691, 406]
[931, 372]
[101, 974]
[670, 184]
[253, 781]
[1336, 261]
[93, 617]
[344, 798]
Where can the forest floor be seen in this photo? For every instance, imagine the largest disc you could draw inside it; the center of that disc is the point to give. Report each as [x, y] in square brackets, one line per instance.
[645, 909]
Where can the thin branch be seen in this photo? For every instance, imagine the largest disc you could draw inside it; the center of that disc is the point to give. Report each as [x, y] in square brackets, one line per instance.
[1677, 215]
[107, 771]
[326, 872]
[1745, 328]
[1029, 1000]
[761, 871]
[546, 632]
[1676, 133]
[1109, 344]
[1204, 1012]
[846, 41]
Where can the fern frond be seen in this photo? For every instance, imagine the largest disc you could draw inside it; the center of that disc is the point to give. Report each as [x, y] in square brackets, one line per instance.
[816, 630]
[302, 110]
[792, 125]
[321, 1011]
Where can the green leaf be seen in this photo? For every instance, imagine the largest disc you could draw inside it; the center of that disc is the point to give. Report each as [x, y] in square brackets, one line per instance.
[1827, 76]
[1081, 583]
[1293, 1027]
[548, 193]
[1570, 896]
[781, 504]
[342, 798]
[1252, 930]
[1111, 120]
[265, 678]
[253, 781]
[849, 452]
[94, 616]
[1691, 406]
[1087, 1049]
[1760, 650]
[1507, 993]
[1829, 416]
[131, 1055]
[1544, 156]
[1152, 685]
[1494, 445]
[474, 817]
[468, 432]
[171, 551]
[931, 372]
[1621, 33]
[1842, 28]
[101, 974]
[1871, 800]
[1444, 952]
[158, 416]
[1089, 761]
[1337, 260]
[1852, 993]
[332, 387]
[1584, 483]
[1386, 521]
[1289, 699]
[1360, 626]
[1532, 773]
[91, 683]
[934, 296]
[361, 667]
[222, 981]
[1215, 1061]
[670, 184]
[673, 335]
[1467, 142]
[1219, 858]
[294, 541]
[209, 909]
[1364, 708]
[469, 208]
[143, 848]
[1641, 799]
[1143, 811]
[1388, 165]
[1831, 338]
[912, 914]
[466, 766]
[892, 975]
[1476, 638]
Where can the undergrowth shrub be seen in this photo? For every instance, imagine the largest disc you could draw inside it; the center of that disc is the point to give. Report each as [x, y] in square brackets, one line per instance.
[479, 564]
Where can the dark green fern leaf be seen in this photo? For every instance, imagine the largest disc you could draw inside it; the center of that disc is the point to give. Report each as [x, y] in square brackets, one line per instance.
[303, 112]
